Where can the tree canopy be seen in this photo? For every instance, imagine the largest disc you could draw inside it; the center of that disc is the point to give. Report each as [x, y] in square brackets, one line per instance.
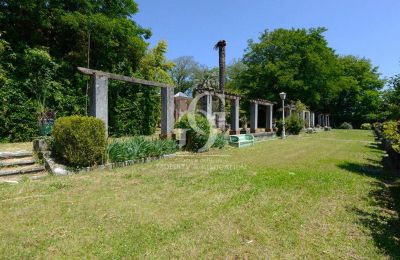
[300, 62]
[41, 44]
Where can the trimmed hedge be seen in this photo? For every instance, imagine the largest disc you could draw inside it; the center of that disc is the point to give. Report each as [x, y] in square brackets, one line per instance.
[389, 134]
[80, 141]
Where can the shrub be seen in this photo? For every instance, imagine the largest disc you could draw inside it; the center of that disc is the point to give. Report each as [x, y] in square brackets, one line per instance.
[134, 148]
[194, 140]
[294, 124]
[219, 141]
[391, 132]
[346, 125]
[80, 141]
[366, 126]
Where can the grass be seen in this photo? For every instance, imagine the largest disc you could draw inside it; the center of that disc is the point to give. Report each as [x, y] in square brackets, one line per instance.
[318, 196]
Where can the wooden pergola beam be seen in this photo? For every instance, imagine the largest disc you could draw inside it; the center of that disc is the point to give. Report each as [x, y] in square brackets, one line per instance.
[109, 75]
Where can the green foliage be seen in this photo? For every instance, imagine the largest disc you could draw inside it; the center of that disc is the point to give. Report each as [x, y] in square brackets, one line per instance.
[136, 110]
[391, 132]
[41, 45]
[391, 98]
[300, 63]
[220, 141]
[294, 124]
[134, 148]
[195, 140]
[346, 125]
[80, 141]
[366, 126]
[184, 73]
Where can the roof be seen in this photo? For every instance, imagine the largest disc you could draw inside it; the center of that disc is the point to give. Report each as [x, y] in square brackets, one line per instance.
[181, 95]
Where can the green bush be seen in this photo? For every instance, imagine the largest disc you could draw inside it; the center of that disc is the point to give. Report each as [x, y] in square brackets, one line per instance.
[294, 124]
[219, 141]
[346, 125]
[366, 126]
[195, 140]
[134, 148]
[391, 132]
[80, 141]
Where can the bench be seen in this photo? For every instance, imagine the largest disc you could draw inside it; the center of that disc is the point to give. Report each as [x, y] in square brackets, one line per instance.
[241, 140]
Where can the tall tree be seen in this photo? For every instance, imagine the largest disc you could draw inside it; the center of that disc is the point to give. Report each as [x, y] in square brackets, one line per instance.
[184, 73]
[58, 32]
[300, 63]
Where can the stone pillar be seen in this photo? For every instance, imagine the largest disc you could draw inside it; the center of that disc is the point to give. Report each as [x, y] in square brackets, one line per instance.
[312, 119]
[167, 113]
[235, 117]
[304, 118]
[268, 120]
[328, 121]
[309, 119]
[207, 104]
[254, 117]
[99, 98]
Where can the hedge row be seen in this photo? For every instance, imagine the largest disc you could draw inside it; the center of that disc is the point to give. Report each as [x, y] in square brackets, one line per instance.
[389, 133]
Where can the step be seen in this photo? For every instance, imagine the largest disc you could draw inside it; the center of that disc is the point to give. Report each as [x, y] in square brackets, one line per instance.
[22, 170]
[16, 162]
[17, 154]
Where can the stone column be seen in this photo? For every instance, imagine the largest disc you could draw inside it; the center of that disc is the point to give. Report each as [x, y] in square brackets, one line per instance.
[304, 118]
[309, 119]
[207, 104]
[268, 120]
[328, 121]
[99, 98]
[254, 117]
[312, 119]
[167, 113]
[235, 117]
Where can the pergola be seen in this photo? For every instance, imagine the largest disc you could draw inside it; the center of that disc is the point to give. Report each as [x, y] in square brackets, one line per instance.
[254, 114]
[99, 97]
[234, 98]
[324, 120]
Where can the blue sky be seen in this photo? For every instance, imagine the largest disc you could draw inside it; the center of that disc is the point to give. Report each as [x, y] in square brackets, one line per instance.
[365, 28]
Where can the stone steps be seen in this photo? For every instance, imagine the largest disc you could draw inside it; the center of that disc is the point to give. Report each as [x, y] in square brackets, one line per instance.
[17, 163]
[22, 170]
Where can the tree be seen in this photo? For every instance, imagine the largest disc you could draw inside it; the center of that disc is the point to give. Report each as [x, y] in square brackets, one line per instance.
[358, 98]
[391, 98]
[183, 73]
[300, 63]
[70, 33]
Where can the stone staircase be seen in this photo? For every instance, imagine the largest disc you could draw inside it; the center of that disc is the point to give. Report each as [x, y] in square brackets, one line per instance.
[18, 163]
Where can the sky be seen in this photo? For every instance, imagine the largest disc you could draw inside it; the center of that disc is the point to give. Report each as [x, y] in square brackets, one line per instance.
[364, 28]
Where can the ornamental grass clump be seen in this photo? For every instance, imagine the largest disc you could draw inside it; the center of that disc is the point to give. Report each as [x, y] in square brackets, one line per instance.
[80, 141]
[135, 148]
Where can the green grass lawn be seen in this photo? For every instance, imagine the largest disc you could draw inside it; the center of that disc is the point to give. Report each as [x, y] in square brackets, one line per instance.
[314, 196]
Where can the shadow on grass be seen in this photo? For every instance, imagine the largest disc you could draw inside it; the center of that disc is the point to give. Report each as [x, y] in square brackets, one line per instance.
[382, 220]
